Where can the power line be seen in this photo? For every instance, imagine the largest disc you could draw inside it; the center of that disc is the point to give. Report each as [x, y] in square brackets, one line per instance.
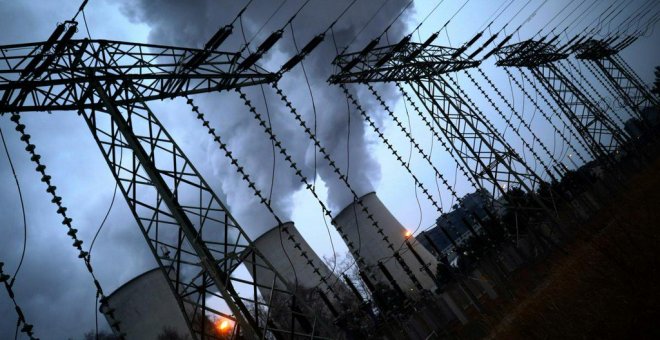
[66, 220]
[20, 196]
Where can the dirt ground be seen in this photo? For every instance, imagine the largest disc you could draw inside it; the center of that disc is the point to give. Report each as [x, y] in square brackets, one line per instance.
[608, 287]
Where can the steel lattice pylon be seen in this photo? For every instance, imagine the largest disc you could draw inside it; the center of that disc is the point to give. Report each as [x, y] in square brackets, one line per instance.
[622, 78]
[54, 75]
[197, 243]
[490, 160]
[601, 134]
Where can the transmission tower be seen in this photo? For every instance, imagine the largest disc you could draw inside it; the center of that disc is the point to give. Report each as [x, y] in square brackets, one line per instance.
[491, 162]
[623, 79]
[475, 144]
[197, 243]
[601, 134]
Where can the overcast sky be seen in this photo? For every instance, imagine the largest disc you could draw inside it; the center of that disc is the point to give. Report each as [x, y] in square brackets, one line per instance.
[53, 286]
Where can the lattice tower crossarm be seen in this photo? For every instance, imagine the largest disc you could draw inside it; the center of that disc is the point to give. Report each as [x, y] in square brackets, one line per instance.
[62, 73]
[529, 53]
[396, 63]
[194, 238]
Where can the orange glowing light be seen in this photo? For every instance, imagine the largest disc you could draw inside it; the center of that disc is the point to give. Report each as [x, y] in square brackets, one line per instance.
[222, 325]
[407, 234]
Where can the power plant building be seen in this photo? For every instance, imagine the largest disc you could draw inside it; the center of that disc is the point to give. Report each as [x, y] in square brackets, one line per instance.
[147, 307]
[374, 247]
[283, 250]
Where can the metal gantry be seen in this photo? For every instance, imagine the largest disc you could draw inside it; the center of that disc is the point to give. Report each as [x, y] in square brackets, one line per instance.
[54, 75]
[490, 160]
[207, 258]
[601, 134]
[197, 243]
[623, 79]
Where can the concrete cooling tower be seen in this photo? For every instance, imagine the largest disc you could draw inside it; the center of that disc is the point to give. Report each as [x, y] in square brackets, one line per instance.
[373, 249]
[285, 256]
[146, 307]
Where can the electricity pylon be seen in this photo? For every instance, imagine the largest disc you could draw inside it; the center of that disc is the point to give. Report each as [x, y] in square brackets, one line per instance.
[476, 145]
[490, 160]
[623, 79]
[199, 246]
[598, 130]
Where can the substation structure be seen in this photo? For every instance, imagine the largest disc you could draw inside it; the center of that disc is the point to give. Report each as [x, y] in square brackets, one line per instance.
[492, 164]
[595, 126]
[626, 83]
[196, 242]
[207, 262]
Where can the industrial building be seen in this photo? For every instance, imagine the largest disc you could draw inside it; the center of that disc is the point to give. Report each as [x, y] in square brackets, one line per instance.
[375, 247]
[147, 307]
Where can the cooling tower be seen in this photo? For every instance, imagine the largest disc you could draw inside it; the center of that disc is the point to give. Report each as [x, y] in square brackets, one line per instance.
[285, 256]
[145, 306]
[365, 237]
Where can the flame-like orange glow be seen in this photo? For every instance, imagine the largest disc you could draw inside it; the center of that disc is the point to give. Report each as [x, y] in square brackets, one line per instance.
[222, 325]
[407, 234]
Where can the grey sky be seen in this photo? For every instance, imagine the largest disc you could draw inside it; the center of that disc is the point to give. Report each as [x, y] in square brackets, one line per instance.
[53, 286]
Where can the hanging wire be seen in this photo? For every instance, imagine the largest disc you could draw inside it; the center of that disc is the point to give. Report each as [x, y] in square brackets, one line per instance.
[339, 16]
[7, 281]
[419, 25]
[107, 213]
[251, 184]
[574, 11]
[228, 154]
[314, 111]
[114, 193]
[263, 93]
[547, 103]
[410, 152]
[501, 10]
[405, 165]
[485, 26]
[27, 328]
[529, 17]
[511, 106]
[557, 15]
[288, 66]
[454, 15]
[20, 197]
[80, 9]
[267, 21]
[66, 220]
[309, 90]
[342, 176]
[373, 16]
[86, 27]
[298, 172]
[396, 18]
